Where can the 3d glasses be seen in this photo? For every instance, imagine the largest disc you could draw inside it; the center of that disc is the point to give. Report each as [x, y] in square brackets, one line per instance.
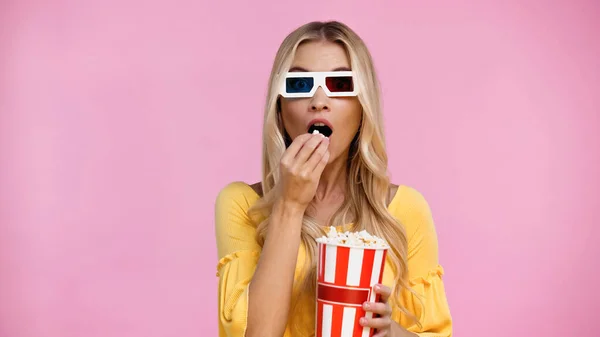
[305, 84]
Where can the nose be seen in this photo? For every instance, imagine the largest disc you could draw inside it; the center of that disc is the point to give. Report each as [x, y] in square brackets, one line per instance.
[320, 101]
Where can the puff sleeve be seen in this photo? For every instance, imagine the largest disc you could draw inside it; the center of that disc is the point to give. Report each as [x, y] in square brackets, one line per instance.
[428, 303]
[238, 254]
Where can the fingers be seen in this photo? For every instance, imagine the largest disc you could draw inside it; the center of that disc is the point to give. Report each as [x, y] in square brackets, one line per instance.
[379, 323]
[384, 291]
[307, 149]
[321, 166]
[383, 309]
[317, 157]
[383, 333]
[381, 320]
[296, 145]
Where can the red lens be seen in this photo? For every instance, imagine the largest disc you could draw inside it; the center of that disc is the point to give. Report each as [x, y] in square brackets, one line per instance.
[340, 84]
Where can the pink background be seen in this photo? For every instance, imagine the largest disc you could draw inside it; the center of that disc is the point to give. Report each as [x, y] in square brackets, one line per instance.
[121, 120]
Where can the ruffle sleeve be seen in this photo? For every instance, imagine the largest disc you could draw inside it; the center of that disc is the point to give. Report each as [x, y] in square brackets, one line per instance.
[238, 254]
[235, 272]
[428, 304]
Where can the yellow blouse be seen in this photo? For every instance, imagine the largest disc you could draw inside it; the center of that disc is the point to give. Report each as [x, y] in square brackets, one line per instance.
[238, 254]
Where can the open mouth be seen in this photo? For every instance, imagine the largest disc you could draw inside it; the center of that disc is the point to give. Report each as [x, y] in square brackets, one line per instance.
[320, 128]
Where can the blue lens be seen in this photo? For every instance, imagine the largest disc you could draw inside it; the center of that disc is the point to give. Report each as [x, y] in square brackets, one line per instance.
[299, 84]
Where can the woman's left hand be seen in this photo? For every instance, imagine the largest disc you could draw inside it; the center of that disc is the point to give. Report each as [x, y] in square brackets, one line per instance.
[382, 324]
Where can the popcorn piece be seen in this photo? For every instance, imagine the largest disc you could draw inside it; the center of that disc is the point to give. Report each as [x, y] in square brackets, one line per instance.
[355, 239]
[315, 132]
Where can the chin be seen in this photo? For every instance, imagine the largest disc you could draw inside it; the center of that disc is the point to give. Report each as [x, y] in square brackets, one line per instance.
[333, 156]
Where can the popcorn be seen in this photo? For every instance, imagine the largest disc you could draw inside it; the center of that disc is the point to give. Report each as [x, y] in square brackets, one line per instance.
[349, 264]
[315, 132]
[354, 239]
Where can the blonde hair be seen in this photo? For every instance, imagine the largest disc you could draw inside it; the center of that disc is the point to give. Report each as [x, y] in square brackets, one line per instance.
[367, 180]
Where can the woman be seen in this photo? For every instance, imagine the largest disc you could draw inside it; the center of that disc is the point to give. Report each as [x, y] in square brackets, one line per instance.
[323, 79]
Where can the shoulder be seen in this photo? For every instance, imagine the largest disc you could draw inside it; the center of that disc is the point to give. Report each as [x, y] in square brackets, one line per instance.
[412, 209]
[235, 230]
[407, 197]
[236, 195]
[392, 193]
[257, 188]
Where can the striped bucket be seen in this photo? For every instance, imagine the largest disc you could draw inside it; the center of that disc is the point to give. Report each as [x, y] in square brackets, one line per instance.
[345, 280]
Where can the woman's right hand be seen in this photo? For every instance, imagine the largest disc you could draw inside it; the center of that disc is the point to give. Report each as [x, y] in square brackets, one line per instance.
[300, 169]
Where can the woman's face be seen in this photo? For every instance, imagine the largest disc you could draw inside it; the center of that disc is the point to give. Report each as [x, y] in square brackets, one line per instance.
[343, 114]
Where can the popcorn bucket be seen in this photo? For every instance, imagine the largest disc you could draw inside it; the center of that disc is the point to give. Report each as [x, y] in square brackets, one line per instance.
[345, 279]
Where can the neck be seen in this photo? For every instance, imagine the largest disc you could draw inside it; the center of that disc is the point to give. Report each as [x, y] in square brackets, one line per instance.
[332, 184]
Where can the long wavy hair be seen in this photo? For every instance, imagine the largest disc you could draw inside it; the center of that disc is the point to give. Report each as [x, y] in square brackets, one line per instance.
[367, 194]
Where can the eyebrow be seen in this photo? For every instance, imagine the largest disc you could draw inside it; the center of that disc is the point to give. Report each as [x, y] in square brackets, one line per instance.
[300, 69]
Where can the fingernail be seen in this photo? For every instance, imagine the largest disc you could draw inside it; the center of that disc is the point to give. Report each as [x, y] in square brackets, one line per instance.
[363, 321]
[377, 287]
[366, 305]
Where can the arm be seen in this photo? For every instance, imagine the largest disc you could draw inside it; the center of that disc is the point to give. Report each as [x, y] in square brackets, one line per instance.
[301, 167]
[249, 278]
[424, 270]
[424, 273]
[254, 297]
[274, 275]
[238, 253]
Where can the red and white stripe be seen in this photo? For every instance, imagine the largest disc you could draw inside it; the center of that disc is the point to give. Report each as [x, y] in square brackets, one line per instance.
[344, 282]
